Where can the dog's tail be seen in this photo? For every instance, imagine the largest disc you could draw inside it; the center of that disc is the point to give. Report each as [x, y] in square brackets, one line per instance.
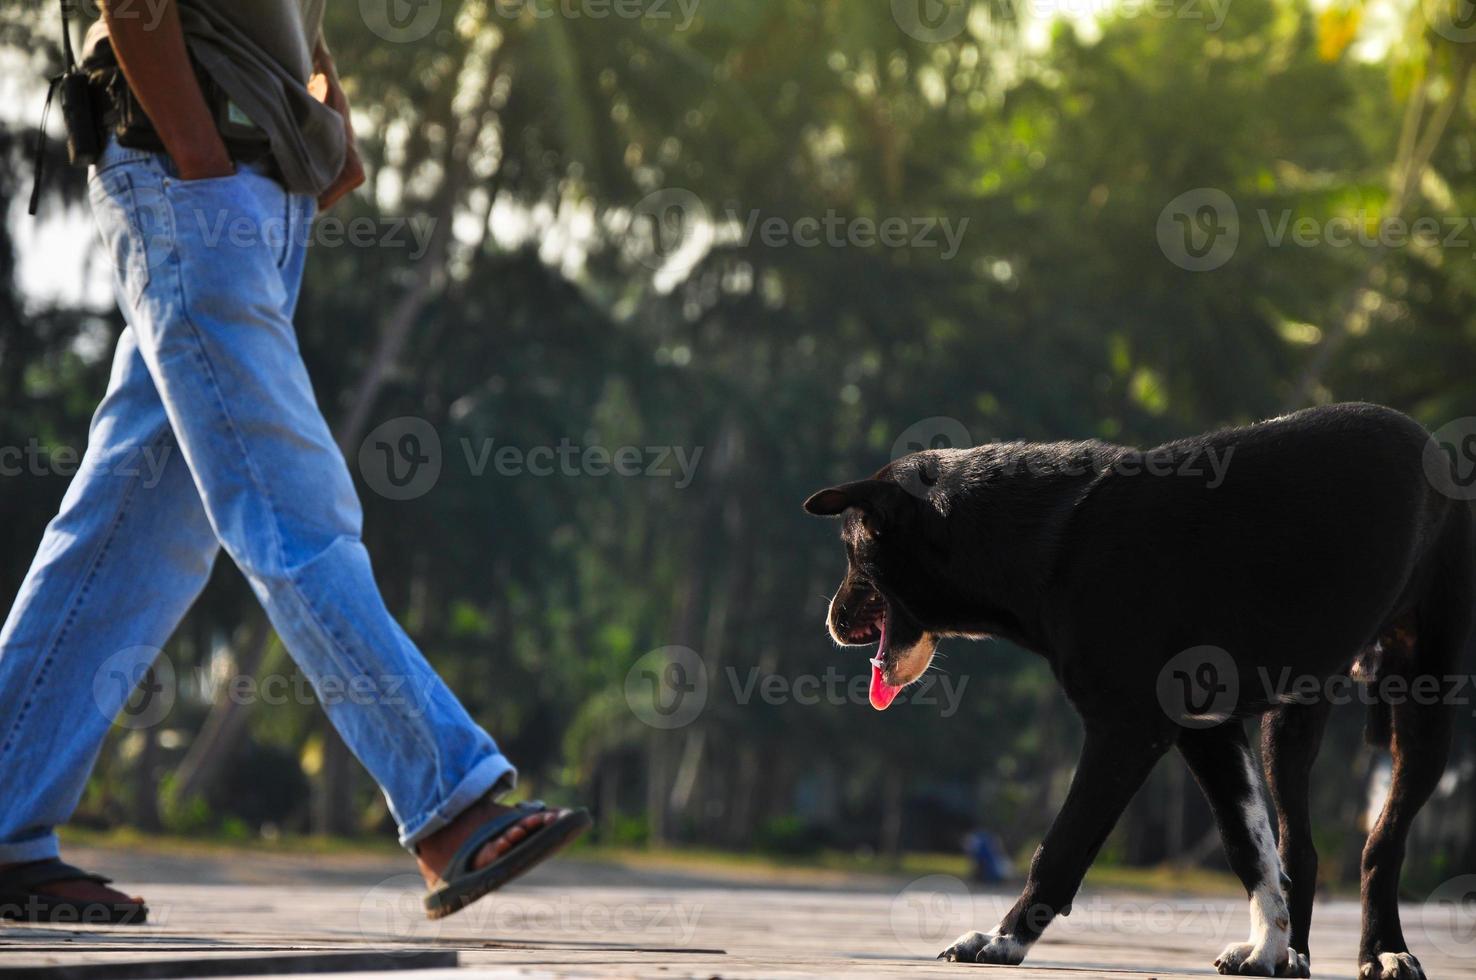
[1378, 725]
[1438, 639]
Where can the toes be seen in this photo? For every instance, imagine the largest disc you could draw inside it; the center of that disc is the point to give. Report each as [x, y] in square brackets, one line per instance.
[1231, 957]
[1408, 968]
[1296, 965]
[1404, 966]
[965, 949]
[1244, 960]
[514, 835]
[1392, 966]
[979, 947]
[494, 849]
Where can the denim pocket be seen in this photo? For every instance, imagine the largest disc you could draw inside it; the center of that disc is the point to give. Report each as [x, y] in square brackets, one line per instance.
[237, 215]
[136, 225]
[230, 233]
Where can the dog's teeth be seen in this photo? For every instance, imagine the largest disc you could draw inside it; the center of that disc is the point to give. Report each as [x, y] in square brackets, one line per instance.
[877, 663]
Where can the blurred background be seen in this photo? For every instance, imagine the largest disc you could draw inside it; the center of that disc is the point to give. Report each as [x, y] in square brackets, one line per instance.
[752, 247]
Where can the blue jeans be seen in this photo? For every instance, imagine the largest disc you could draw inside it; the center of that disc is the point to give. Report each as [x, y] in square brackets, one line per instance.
[209, 436]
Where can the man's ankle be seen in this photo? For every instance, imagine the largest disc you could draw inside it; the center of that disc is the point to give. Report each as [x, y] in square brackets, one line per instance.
[478, 812]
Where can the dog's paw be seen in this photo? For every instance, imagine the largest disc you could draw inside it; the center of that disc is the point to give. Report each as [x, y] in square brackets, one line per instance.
[1249, 960]
[981, 947]
[1392, 966]
[1295, 965]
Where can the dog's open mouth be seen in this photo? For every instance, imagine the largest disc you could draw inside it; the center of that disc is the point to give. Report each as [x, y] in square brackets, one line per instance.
[869, 620]
[870, 624]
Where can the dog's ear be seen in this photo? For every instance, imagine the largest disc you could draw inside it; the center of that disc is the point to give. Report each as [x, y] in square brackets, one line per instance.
[880, 498]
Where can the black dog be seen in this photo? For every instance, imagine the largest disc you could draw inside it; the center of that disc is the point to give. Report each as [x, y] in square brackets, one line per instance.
[1175, 592]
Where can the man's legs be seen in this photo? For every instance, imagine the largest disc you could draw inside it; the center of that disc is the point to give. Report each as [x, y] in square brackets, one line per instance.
[117, 569]
[214, 328]
[127, 555]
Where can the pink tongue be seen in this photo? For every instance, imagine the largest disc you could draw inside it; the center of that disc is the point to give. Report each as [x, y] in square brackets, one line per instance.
[882, 693]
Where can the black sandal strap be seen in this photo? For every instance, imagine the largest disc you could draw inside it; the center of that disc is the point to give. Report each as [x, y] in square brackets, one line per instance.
[460, 864]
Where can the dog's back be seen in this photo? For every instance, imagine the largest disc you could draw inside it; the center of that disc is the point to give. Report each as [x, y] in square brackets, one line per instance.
[1297, 540]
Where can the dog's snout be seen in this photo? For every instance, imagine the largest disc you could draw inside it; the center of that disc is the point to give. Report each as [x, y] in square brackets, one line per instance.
[855, 613]
[835, 617]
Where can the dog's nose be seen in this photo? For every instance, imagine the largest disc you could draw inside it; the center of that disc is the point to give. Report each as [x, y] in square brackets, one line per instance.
[838, 624]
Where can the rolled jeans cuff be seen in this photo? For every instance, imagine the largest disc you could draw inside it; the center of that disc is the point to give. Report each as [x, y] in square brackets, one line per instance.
[484, 777]
[35, 849]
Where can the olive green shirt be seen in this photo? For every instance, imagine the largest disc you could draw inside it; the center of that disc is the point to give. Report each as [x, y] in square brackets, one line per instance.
[260, 53]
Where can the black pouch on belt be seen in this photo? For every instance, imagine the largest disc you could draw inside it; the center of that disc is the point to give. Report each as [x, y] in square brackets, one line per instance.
[79, 113]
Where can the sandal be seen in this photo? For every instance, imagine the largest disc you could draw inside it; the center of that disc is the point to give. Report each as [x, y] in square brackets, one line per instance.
[464, 884]
[20, 900]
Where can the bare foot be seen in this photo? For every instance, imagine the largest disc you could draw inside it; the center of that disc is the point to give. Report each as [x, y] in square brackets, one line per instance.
[81, 890]
[436, 851]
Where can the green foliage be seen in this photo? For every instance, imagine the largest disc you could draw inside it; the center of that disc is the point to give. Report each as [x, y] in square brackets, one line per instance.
[790, 367]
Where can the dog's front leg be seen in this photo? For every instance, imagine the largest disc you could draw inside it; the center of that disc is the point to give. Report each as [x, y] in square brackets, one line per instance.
[1114, 763]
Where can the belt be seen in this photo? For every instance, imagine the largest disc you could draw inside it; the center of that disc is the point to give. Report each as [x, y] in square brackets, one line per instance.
[123, 116]
[136, 132]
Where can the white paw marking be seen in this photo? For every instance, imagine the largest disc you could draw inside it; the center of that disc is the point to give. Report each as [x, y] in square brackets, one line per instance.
[982, 947]
[1393, 966]
[1247, 959]
[1270, 932]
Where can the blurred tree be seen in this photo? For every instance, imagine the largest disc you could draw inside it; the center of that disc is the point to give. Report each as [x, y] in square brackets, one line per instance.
[590, 269]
